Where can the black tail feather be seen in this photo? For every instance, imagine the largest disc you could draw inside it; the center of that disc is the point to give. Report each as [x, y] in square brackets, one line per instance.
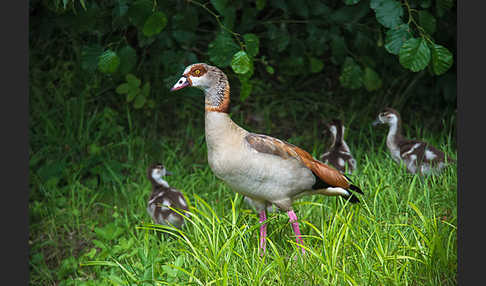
[349, 179]
[352, 199]
[356, 189]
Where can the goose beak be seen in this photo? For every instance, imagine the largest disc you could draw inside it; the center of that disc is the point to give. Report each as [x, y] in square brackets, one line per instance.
[181, 83]
[376, 122]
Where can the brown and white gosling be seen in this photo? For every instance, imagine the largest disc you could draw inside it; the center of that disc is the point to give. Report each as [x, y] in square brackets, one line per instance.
[338, 155]
[265, 169]
[418, 156]
[163, 196]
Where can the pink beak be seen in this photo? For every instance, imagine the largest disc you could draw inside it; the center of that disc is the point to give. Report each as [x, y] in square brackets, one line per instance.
[181, 83]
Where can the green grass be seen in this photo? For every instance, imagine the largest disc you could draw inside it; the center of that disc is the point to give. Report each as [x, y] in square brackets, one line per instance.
[88, 223]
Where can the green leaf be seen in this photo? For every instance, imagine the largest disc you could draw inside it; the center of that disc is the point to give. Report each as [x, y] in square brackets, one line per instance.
[348, 14]
[184, 37]
[132, 93]
[427, 21]
[371, 80]
[68, 267]
[83, 4]
[185, 20]
[252, 43]
[320, 9]
[132, 80]
[414, 54]
[426, 4]
[350, 2]
[260, 4]
[442, 6]
[109, 231]
[246, 87]
[229, 17]
[298, 7]
[395, 37]
[154, 24]
[89, 57]
[376, 3]
[146, 89]
[151, 103]
[219, 5]
[128, 59]
[222, 49]
[442, 58]
[316, 65]
[108, 62]
[350, 74]
[389, 13]
[338, 49]
[279, 37]
[121, 8]
[123, 88]
[139, 11]
[94, 149]
[316, 43]
[293, 66]
[139, 101]
[270, 69]
[241, 63]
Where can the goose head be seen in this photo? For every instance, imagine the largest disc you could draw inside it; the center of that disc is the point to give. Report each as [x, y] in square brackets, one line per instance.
[199, 75]
[388, 116]
[212, 81]
[335, 131]
[334, 127]
[156, 172]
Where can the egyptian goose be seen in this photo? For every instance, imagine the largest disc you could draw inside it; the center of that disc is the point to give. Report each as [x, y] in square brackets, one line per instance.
[338, 155]
[264, 169]
[163, 196]
[418, 156]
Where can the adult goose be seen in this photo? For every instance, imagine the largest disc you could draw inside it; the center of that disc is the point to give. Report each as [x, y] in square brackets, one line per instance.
[338, 155]
[418, 156]
[264, 169]
[163, 197]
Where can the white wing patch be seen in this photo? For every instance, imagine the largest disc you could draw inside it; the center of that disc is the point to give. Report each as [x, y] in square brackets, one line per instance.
[411, 149]
[156, 197]
[166, 202]
[411, 166]
[182, 202]
[335, 191]
[429, 155]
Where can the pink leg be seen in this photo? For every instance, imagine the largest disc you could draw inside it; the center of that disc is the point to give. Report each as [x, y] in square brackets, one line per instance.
[295, 227]
[263, 232]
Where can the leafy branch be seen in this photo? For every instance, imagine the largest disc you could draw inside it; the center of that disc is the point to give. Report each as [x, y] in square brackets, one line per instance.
[218, 20]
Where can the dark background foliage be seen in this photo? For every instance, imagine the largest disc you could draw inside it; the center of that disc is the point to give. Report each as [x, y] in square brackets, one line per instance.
[347, 49]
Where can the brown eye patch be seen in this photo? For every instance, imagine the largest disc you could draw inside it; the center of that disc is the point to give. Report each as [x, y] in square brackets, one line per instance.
[197, 71]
